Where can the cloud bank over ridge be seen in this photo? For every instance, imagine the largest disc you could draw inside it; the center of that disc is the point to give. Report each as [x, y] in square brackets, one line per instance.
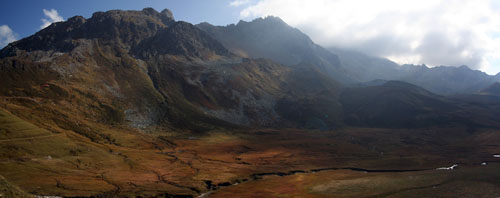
[6, 35]
[52, 16]
[432, 32]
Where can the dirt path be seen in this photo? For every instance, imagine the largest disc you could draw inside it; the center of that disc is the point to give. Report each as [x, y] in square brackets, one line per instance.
[31, 138]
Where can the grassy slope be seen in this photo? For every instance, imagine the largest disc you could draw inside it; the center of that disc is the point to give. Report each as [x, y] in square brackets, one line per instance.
[8, 190]
[66, 163]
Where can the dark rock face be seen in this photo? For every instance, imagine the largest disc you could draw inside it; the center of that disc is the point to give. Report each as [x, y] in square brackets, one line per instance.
[181, 39]
[403, 105]
[394, 104]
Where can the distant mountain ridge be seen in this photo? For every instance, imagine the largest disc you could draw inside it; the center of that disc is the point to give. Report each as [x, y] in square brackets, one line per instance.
[272, 38]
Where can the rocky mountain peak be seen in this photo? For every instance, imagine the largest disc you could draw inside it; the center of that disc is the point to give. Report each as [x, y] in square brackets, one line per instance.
[115, 27]
[270, 24]
[149, 11]
[167, 13]
[77, 20]
[181, 38]
[464, 67]
[268, 20]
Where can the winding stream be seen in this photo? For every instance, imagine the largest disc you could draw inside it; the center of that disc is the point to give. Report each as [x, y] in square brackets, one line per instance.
[258, 176]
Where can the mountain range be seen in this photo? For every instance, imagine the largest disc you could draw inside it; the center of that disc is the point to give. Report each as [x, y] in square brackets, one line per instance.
[148, 70]
[135, 103]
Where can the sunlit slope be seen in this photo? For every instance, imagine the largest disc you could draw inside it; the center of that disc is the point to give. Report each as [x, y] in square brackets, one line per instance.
[65, 163]
[8, 190]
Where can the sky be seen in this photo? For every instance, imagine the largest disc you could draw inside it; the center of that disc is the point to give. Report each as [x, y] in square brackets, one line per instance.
[431, 32]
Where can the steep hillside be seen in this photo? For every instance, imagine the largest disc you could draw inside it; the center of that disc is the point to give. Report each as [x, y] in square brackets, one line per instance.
[364, 68]
[394, 104]
[10, 191]
[181, 38]
[403, 105]
[493, 89]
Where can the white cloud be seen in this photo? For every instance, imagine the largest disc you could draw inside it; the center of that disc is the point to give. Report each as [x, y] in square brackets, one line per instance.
[434, 32]
[237, 3]
[51, 17]
[6, 35]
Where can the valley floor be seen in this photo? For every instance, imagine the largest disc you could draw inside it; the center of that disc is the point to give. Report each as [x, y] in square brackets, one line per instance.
[348, 162]
[463, 182]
